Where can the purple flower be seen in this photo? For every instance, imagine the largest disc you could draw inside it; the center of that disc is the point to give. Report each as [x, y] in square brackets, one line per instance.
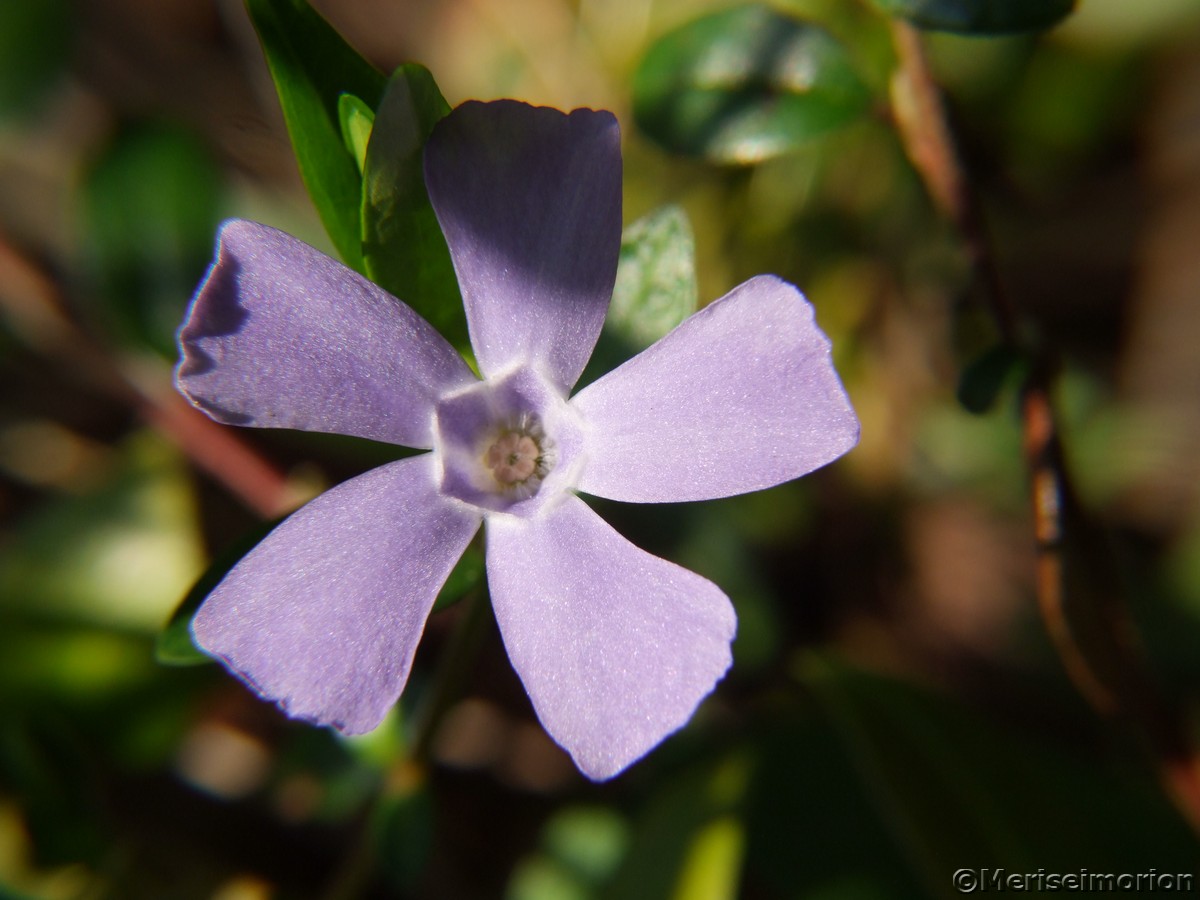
[615, 647]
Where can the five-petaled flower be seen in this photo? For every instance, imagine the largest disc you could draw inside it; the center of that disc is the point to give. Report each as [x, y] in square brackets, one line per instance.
[615, 647]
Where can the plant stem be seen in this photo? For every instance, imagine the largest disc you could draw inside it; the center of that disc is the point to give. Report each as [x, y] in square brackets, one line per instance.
[459, 653]
[1075, 581]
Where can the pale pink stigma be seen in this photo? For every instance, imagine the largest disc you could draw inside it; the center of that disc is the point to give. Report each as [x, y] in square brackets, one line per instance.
[513, 458]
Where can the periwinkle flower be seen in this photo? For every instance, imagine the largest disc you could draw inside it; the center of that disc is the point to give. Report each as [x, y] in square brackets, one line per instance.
[615, 647]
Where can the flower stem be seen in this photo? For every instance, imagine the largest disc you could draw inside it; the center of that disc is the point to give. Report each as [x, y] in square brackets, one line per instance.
[408, 773]
[1075, 581]
[459, 653]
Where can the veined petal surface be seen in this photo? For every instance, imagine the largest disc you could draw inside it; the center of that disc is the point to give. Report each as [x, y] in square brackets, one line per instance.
[281, 335]
[615, 647]
[324, 615]
[529, 199]
[741, 396]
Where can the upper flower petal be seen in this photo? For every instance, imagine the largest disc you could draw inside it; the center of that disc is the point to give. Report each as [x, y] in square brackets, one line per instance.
[281, 335]
[615, 647]
[529, 199]
[741, 396]
[325, 614]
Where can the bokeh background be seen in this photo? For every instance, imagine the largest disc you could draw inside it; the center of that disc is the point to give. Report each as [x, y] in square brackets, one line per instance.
[896, 710]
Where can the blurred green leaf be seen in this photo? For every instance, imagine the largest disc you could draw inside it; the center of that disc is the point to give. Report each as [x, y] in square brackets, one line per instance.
[45, 763]
[958, 787]
[806, 791]
[694, 814]
[656, 277]
[405, 251]
[116, 557]
[579, 850]
[173, 645]
[980, 17]
[312, 67]
[864, 34]
[655, 288]
[403, 834]
[713, 867]
[467, 573]
[744, 85]
[151, 203]
[983, 379]
[35, 46]
[357, 119]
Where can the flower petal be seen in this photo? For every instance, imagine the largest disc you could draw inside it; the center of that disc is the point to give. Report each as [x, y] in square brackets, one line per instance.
[529, 199]
[281, 335]
[615, 647]
[324, 615]
[741, 396]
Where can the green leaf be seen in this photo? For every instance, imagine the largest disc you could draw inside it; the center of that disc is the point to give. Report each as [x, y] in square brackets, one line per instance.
[402, 829]
[151, 202]
[654, 292]
[980, 17]
[1013, 801]
[467, 573]
[50, 769]
[405, 251]
[745, 85]
[357, 120]
[656, 277]
[579, 850]
[35, 47]
[115, 556]
[174, 645]
[687, 843]
[984, 378]
[312, 67]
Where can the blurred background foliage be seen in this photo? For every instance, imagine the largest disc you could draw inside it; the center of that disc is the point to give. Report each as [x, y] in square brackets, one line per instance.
[896, 710]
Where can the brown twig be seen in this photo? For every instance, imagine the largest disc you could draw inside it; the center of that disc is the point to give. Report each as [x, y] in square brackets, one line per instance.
[920, 116]
[30, 303]
[1075, 582]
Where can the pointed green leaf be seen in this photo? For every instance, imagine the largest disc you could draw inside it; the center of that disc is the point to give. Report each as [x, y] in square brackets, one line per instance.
[405, 251]
[357, 120]
[1013, 801]
[744, 85]
[174, 646]
[312, 67]
[980, 17]
[467, 573]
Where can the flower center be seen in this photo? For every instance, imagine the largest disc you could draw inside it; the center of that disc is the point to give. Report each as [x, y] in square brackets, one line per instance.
[513, 458]
[507, 445]
[519, 455]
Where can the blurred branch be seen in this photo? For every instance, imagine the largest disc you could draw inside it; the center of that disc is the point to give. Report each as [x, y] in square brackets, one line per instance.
[920, 116]
[31, 305]
[1076, 579]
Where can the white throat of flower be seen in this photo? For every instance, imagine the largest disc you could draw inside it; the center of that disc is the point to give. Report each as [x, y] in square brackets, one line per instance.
[510, 444]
